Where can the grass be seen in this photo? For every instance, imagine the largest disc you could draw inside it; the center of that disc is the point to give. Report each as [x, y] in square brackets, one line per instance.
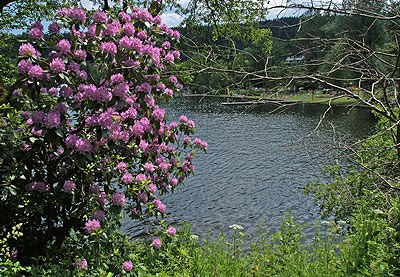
[319, 99]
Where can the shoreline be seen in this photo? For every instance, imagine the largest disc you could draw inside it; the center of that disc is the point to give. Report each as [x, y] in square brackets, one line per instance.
[292, 100]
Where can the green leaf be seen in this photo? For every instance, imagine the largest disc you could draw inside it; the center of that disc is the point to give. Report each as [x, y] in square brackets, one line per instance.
[59, 132]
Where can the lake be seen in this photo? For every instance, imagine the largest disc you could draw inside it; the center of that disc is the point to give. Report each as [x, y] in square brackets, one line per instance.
[258, 160]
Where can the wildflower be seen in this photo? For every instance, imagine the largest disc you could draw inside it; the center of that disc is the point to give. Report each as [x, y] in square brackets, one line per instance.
[236, 227]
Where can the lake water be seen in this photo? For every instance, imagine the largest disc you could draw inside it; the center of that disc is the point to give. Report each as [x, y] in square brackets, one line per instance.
[258, 160]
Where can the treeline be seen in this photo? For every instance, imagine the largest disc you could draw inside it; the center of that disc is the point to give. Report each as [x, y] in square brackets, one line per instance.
[299, 46]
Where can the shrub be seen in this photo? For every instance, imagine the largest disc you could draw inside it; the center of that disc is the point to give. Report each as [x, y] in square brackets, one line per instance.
[84, 141]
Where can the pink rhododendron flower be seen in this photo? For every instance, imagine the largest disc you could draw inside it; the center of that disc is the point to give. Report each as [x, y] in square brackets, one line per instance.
[166, 45]
[99, 215]
[158, 114]
[94, 189]
[124, 16]
[102, 198]
[54, 28]
[183, 119]
[80, 54]
[127, 178]
[35, 33]
[157, 243]
[41, 187]
[35, 72]
[152, 188]
[129, 29]
[174, 181]
[69, 186]
[169, 91]
[57, 65]
[83, 145]
[24, 66]
[38, 117]
[149, 167]
[173, 79]
[80, 264]
[171, 231]
[191, 124]
[77, 14]
[169, 57]
[142, 35]
[127, 266]
[121, 166]
[64, 46]
[100, 17]
[143, 197]
[113, 28]
[38, 25]
[161, 208]
[92, 225]
[118, 199]
[157, 19]
[108, 48]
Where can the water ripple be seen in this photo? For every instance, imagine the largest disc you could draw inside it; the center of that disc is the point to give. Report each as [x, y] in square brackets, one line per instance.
[256, 165]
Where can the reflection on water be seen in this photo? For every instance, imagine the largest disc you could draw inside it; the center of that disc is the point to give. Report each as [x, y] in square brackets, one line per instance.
[258, 160]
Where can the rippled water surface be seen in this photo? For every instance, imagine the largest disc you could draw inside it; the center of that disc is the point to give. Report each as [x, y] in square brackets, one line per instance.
[258, 160]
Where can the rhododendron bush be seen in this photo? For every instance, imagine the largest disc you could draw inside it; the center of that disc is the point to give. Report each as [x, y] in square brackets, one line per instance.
[87, 139]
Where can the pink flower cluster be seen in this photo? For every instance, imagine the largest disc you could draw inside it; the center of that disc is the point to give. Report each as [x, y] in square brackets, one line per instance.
[92, 225]
[37, 186]
[108, 48]
[80, 264]
[69, 186]
[128, 266]
[157, 243]
[118, 199]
